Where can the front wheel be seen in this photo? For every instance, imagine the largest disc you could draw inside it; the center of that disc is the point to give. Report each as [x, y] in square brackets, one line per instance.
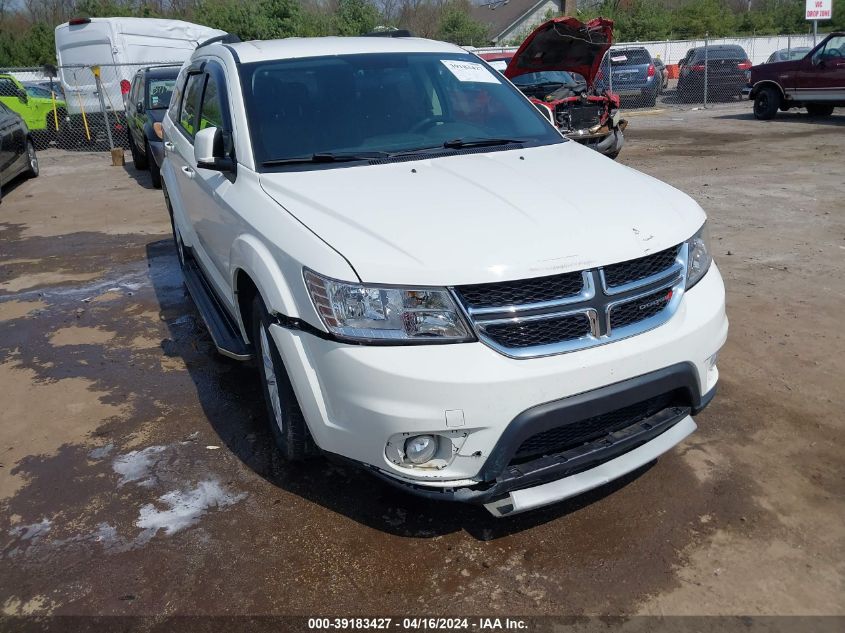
[766, 103]
[819, 109]
[287, 423]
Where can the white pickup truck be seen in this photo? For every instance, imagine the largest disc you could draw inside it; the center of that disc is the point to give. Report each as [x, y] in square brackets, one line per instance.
[435, 283]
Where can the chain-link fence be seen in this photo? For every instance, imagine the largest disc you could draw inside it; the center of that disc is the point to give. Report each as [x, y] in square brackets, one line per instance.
[76, 107]
[684, 73]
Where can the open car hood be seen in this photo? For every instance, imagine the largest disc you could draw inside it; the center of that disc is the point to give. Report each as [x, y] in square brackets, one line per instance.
[564, 44]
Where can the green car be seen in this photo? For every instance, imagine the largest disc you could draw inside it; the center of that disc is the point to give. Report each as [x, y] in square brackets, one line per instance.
[35, 108]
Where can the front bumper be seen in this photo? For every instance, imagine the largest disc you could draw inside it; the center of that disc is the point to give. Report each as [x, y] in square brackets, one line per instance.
[608, 143]
[355, 398]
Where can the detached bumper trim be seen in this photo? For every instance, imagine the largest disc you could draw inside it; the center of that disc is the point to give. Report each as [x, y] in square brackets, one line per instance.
[554, 491]
[499, 480]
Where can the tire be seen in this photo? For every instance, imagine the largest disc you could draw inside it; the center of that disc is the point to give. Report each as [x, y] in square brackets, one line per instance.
[819, 109]
[287, 424]
[139, 161]
[155, 170]
[766, 103]
[651, 100]
[32, 158]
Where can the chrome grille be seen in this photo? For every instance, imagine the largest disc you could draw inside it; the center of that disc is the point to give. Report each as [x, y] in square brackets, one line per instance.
[528, 333]
[540, 289]
[570, 311]
[636, 269]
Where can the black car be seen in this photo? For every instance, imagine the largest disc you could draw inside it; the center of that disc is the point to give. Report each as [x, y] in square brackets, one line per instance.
[727, 69]
[17, 149]
[633, 75]
[146, 103]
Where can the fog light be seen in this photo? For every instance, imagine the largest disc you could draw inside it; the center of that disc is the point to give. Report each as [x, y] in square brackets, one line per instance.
[420, 449]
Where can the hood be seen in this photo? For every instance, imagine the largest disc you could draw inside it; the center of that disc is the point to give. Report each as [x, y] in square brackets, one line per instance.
[774, 70]
[564, 44]
[495, 216]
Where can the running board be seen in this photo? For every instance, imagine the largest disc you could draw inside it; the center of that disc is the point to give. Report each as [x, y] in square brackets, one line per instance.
[224, 332]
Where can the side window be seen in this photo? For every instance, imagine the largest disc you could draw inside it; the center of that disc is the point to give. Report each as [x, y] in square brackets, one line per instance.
[190, 103]
[211, 114]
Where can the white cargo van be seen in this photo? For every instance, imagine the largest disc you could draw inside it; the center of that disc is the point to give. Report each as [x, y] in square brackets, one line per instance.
[119, 46]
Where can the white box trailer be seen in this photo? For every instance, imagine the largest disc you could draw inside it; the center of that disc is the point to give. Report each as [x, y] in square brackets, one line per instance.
[119, 46]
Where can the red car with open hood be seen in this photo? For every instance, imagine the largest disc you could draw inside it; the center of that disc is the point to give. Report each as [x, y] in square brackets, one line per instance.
[557, 66]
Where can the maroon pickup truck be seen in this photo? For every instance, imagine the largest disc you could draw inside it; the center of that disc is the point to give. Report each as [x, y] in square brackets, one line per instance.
[815, 82]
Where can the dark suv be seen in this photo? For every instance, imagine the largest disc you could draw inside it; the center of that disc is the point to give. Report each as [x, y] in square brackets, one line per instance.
[726, 67]
[633, 75]
[146, 103]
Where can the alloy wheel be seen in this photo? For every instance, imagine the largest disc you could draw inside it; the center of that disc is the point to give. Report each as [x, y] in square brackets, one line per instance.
[269, 369]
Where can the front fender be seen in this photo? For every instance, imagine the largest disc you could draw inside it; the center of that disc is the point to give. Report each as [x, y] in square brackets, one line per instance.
[250, 255]
[755, 88]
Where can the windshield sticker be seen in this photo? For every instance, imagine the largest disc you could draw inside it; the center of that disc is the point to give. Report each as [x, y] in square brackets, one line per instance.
[619, 58]
[469, 71]
[155, 100]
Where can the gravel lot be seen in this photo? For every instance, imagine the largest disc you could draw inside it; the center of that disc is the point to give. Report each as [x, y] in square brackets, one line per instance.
[136, 475]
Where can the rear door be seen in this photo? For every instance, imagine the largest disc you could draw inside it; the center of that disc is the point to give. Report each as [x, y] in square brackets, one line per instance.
[630, 69]
[78, 47]
[725, 67]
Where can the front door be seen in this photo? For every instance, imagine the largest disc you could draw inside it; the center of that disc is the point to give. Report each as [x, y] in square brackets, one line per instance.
[822, 74]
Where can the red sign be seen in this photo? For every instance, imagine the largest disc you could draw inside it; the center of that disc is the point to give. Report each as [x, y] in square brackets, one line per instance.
[819, 9]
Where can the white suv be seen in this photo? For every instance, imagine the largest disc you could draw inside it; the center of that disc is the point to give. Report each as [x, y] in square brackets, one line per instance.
[434, 282]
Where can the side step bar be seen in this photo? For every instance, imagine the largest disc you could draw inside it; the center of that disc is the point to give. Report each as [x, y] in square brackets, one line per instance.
[224, 332]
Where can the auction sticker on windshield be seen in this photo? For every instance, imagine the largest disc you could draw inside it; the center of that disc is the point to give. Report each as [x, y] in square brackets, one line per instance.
[469, 71]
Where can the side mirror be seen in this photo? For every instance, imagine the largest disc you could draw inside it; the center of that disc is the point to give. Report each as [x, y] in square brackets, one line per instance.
[208, 150]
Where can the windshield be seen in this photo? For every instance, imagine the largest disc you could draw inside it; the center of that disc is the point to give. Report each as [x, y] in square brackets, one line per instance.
[382, 102]
[159, 92]
[38, 91]
[548, 77]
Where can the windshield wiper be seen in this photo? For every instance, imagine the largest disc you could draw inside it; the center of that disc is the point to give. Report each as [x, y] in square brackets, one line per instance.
[460, 143]
[324, 157]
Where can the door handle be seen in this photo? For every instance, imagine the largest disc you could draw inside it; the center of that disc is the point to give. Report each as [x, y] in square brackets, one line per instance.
[189, 172]
[169, 146]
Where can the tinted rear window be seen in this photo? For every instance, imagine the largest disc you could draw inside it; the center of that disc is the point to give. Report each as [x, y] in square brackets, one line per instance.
[722, 53]
[634, 57]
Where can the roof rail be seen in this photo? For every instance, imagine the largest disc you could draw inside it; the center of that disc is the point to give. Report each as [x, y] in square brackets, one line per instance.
[171, 65]
[226, 38]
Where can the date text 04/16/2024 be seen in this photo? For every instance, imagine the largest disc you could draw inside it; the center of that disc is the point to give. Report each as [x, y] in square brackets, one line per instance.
[418, 624]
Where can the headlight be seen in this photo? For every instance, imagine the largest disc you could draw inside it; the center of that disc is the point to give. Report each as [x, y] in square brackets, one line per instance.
[699, 256]
[383, 314]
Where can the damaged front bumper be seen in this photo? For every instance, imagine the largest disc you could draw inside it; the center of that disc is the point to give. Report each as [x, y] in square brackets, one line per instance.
[605, 139]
